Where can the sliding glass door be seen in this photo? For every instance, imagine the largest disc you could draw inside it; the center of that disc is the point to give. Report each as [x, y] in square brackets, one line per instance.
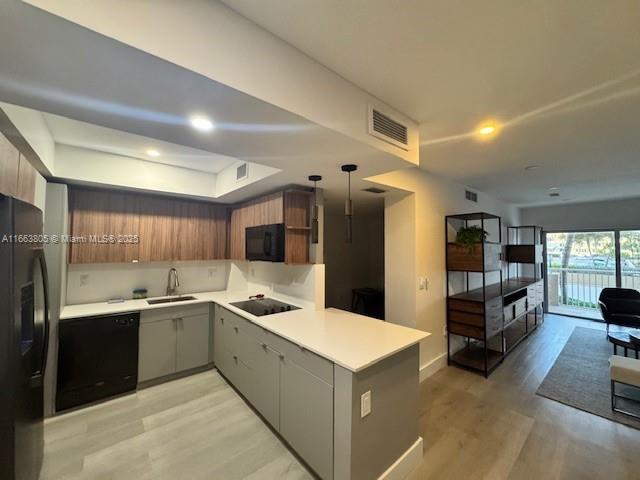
[580, 265]
[630, 259]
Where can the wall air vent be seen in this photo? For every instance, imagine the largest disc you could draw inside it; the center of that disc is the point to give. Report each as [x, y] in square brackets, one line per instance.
[471, 196]
[242, 172]
[386, 128]
[373, 190]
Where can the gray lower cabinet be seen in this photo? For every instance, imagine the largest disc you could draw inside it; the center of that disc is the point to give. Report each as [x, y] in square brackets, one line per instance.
[306, 416]
[173, 340]
[288, 385]
[157, 355]
[192, 342]
[262, 387]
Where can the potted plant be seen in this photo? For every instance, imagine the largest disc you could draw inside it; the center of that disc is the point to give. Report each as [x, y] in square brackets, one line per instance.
[470, 236]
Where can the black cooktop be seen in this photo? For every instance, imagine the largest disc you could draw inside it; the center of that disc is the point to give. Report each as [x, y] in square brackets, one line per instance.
[264, 306]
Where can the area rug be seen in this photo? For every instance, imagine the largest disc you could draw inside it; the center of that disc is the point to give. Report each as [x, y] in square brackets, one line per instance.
[580, 377]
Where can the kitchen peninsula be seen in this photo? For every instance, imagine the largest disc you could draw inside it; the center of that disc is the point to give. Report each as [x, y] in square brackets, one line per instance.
[351, 371]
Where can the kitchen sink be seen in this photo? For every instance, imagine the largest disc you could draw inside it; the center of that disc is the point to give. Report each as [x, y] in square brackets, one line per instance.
[156, 301]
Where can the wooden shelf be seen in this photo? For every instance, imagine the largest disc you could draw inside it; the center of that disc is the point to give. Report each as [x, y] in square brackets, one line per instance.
[472, 357]
[293, 227]
[524, 253]
[493, 291]
[515, 332]
[483, 257]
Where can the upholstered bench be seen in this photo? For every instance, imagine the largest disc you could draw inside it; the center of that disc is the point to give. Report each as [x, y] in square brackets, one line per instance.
[627, 372]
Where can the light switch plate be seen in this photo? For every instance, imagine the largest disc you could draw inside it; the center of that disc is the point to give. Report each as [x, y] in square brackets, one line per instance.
[365, 404]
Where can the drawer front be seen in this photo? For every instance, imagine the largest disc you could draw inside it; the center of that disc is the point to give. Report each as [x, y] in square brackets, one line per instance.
[508, 313]
[473, 319]
[464, 306]
[466, 330]
[167, 313]
[494, 303]
[494, 320]
[317, 365]
[520, 307]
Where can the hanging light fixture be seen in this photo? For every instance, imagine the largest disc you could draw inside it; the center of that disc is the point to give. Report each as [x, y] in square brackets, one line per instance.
[348, 204]
[314, 218]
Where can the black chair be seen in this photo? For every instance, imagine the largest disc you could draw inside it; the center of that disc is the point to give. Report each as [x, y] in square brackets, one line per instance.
[620, 306]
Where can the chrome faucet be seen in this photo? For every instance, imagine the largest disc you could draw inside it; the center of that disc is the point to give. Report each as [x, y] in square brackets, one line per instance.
[172, 282]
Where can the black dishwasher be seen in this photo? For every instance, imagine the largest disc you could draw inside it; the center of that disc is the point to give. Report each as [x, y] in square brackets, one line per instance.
[97, 358]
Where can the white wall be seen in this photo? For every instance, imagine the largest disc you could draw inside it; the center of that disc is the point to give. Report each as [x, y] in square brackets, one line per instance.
[224, 46]
[415, 246]
[88, 283]
[623, 214]
[104, 281]
[33, 128]
[300, 281]
[73, 163]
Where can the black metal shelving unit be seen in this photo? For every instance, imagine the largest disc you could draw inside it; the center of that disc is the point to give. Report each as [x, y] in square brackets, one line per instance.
[524, 250]
[475, 315]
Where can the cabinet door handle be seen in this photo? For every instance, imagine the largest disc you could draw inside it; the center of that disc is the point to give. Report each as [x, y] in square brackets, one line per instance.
[235, 357]
[236, 329]
[263, 345]
[222, 321]
[281, 356]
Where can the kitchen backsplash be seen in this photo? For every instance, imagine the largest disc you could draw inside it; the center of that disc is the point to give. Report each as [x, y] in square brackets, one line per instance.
[90, 283]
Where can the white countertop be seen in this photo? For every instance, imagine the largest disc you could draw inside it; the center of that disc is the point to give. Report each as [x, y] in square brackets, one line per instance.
[352, 341]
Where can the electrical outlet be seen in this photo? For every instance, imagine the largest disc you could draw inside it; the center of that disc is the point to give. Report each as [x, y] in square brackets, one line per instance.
[84, 279]
[365, 404]
[212, 272]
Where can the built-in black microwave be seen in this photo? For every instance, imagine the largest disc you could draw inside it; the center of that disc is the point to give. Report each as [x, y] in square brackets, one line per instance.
[265, 242]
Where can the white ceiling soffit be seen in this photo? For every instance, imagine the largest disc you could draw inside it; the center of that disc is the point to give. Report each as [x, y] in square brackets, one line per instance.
[564, 76]
[85, 135]
[57, 67]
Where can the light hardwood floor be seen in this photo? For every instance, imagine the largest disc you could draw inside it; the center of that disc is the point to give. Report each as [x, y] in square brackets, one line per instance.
[193, 428]
[498, 428]
[199, 428]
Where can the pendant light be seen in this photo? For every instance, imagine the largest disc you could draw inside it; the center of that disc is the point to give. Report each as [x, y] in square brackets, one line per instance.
[314, 218]
[348, 204]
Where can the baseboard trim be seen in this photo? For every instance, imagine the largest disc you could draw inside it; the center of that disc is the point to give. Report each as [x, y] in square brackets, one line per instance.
[405, 464]
[433, 366]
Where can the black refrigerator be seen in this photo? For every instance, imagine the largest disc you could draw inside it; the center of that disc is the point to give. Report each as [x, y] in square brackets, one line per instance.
[24, 332]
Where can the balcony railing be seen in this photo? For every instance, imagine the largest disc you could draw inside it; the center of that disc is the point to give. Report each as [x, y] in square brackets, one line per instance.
[575, 291]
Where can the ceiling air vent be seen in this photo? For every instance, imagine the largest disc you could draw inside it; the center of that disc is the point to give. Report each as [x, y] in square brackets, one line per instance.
[373, 190]
[241, 172]
[471, 196]
[386, 128]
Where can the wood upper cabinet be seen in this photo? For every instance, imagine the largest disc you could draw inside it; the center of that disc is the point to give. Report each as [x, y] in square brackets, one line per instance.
[168, 229]
[26, 189]
[173, 229]
[292, 207]
[9, 166]
[264, 210]
[95, 214]
[297, 220]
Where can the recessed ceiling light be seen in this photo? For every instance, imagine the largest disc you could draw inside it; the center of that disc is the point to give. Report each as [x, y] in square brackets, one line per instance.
[530, 167]
[487, 129]
[153, 152]
[201, 123]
